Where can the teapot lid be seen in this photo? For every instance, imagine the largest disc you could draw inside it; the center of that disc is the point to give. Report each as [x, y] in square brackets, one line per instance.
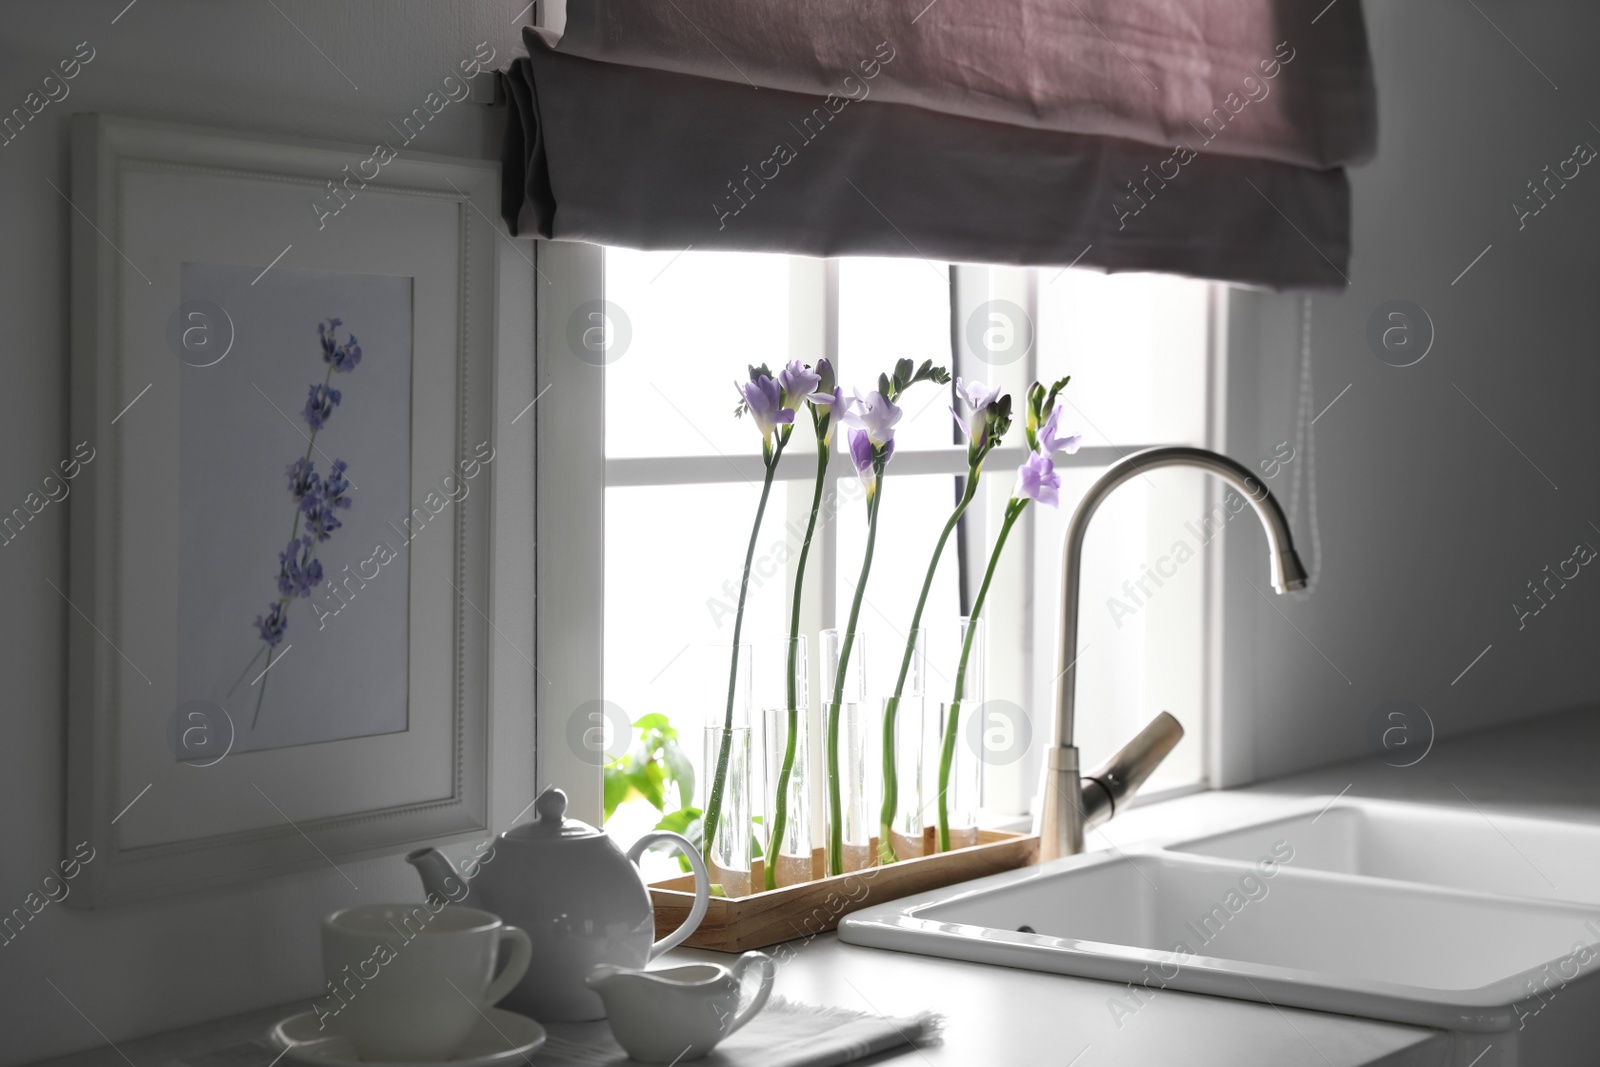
[550, 822]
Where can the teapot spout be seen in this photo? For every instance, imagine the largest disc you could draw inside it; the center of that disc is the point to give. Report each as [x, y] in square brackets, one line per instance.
[439, 878]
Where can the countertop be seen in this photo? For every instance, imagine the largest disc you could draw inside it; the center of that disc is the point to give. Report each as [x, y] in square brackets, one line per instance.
[994, 1015]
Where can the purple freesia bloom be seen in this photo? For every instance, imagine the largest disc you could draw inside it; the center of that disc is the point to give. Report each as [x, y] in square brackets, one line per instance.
[1039, 481]
[798, 381]
[273, 624]
[860, 451]
[827, 381]
[978, 395]
[828, 401]
[861, 454]
[320, 405]
[874, 413]
[1050, 439]
[763, 396]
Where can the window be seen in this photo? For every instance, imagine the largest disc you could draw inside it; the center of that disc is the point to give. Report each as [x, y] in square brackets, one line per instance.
[682, 476]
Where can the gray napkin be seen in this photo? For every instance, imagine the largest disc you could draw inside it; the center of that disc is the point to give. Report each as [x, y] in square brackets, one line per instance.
[785, 1034]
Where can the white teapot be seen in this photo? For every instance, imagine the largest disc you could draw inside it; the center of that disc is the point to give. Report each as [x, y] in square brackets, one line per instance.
[578, 896]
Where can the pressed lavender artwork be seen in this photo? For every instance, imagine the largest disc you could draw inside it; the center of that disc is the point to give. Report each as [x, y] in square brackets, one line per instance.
[295, 455]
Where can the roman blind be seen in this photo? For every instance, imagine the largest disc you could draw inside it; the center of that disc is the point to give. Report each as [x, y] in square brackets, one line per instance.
[1200, 137]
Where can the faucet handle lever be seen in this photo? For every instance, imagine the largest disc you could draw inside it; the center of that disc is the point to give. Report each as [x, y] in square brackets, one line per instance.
[1121, 776]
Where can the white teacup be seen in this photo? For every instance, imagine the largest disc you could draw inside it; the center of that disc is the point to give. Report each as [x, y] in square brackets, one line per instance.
[408, 981]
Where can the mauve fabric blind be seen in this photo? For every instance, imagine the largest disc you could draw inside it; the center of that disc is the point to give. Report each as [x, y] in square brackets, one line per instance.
[648, 128]
[1284, 83]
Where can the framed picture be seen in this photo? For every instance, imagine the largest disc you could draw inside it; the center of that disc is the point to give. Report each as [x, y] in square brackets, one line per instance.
[281, 398]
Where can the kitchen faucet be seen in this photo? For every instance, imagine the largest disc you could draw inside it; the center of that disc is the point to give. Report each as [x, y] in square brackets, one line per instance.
[1069, 805]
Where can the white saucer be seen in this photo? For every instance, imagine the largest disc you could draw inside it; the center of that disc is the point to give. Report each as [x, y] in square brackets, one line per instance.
[503, 1037]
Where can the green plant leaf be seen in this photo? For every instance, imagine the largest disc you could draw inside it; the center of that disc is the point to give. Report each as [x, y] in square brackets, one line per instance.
[616, 788]
[680, 772]
[688, 822]
[648, 780]
[655, 722]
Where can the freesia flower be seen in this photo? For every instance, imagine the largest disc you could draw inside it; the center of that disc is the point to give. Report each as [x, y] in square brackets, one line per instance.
[798, 381]
[827, 382]
[763, 398]
[861, 456]
[978, 397]
[827, 400]
[1038, 480]
[874, 413]
[320, 405]
[1050, 441]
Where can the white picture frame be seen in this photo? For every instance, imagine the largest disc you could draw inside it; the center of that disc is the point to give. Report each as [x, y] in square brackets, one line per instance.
[147, 199]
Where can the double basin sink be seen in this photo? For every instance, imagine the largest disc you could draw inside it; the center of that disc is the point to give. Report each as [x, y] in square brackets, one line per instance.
[1457, 919]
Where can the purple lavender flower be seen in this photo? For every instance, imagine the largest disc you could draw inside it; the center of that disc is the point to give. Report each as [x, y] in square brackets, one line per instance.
[298, 573]
[311, 577]
[798, 381]
[303, 480]
[874, 413]
[335, 485]
[1038, 480]
[763, 397]
[343, 357]
[327, 333]
[321, 522]
[273, 624]
[320, 405]
[1049, 441]
[316, 500]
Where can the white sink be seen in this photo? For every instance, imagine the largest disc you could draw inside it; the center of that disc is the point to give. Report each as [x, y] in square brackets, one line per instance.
[1393, 912]
[1501, 854]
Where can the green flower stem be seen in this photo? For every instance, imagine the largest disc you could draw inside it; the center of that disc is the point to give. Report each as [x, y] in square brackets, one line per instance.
[948, 749]
[713, 814]
[780, 805]
[891, 776]
[835, 820]
[294, 531]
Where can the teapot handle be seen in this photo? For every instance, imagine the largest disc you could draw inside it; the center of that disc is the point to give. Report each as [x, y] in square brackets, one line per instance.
[702, 885]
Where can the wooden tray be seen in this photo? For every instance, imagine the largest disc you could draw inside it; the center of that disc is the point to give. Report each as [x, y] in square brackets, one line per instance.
[736, 924]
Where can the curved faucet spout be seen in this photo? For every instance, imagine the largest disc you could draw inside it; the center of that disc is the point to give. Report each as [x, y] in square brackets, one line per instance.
[1060, 812]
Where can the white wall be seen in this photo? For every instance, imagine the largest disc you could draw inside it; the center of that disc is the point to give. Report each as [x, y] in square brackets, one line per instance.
[149, 967]
[1431, 522]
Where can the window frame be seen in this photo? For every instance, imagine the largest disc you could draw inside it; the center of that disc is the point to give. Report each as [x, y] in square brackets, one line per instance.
[573, 474]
